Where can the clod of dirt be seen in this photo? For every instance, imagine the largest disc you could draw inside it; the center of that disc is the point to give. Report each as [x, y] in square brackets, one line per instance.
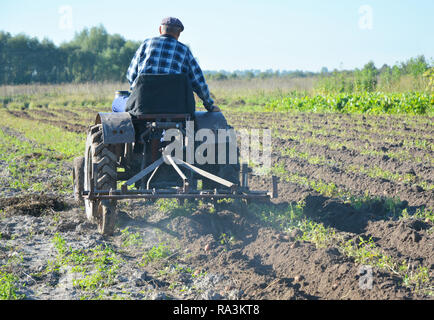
[33, 205]
[415, 236]
[27, 157]
[239, 102]
[298, 278]
[158, 296]
[197, 272]
[284, 237]
[294, 245]
[406, 231]
[417, 189]
[419, 225]
[411, 171]
[211, 295]
[66, 226]
[296, 233]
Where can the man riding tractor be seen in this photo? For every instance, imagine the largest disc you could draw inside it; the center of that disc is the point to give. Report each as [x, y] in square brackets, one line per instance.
[155, 144]
[166, 55]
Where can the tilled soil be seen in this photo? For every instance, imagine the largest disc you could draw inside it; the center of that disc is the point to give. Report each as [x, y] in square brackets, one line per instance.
[256, 263]
[227, 251]
[43, 116]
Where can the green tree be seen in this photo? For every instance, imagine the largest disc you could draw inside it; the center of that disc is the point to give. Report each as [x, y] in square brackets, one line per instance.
[4, 38]
[386, 79]
[415, 66]
[366, 79]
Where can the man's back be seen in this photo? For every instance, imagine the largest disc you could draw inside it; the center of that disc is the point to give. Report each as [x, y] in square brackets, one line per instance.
[166, 55]
[159, 55]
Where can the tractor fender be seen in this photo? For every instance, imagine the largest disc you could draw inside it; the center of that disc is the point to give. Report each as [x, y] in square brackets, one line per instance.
[214, 121]
[117, 127]
[209, 120]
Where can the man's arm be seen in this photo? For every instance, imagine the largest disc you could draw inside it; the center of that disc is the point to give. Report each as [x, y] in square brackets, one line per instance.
[133, 69]
[198, 83]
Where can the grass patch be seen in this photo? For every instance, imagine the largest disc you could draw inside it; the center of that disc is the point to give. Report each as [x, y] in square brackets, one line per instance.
[29, 165]
[324, 188]
[69, 144]
[367, 253]
[93, 269]
[8, 288]
[156, 253]
[131, 239]
[278, 217]
[176, 208]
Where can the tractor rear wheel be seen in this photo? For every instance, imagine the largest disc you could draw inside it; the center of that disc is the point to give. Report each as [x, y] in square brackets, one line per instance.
[78, 179]
[97, 153]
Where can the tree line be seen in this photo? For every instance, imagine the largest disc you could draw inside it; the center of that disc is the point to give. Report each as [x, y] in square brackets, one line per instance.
[95, 55]
[364, 79]
[370, 78]
[92, 55]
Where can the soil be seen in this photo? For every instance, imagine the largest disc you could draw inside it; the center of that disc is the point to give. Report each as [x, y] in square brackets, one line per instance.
[258, 264]
[224, 251]
[41, 117]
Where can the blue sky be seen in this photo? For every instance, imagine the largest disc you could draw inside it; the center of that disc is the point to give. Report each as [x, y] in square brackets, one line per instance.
[241, 34]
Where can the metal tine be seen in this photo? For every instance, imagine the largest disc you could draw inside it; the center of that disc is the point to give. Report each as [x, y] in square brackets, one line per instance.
[150, 178]
[174, 165]
[144, 172]
[205, 174]
[181, 174]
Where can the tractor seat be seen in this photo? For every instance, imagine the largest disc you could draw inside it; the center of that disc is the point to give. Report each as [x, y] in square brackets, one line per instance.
[161, 96]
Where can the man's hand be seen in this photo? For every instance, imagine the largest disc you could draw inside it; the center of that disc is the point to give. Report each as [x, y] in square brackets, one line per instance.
[215, 109]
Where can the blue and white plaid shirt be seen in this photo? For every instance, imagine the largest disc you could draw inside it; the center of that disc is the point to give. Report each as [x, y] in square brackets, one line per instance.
[163, 55]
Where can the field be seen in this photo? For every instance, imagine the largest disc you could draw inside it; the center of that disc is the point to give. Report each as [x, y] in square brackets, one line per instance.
[354, 218]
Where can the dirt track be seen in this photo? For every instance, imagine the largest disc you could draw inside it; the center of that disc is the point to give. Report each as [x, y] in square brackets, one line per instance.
[229, 251]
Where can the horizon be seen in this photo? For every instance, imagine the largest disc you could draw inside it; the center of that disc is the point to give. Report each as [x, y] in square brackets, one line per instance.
[340, 35]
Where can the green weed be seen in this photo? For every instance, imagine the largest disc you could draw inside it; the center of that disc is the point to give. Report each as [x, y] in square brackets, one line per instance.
[227, 239]
[279, 217]
[130, 239]
[156, 253]
[8, 288]
[95, 268]
[174, 208]
[316, 233]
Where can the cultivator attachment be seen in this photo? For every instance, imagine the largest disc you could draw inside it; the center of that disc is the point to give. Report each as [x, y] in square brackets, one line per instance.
[188, 190]
[127, 154]
[101, 203]
[111, 170]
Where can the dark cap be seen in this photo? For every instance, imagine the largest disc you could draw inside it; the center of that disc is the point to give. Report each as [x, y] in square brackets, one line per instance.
[171, 21]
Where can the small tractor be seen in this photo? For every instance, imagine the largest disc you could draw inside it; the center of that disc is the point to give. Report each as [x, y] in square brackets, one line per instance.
[126, 154]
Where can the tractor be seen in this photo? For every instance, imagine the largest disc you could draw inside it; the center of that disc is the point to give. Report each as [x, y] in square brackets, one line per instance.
[156, 149]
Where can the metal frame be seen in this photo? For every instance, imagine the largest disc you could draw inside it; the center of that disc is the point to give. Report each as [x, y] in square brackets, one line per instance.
[185, 192]
[234, 191]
